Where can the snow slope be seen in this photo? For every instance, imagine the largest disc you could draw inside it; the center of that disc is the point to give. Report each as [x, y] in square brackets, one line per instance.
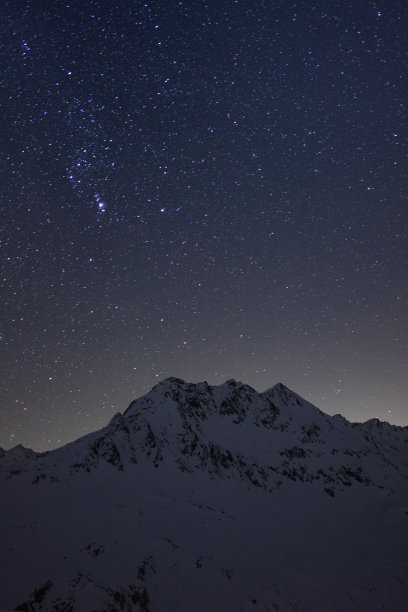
[210, 498]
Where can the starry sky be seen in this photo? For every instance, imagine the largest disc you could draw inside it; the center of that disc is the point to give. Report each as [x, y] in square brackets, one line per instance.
[204, 189]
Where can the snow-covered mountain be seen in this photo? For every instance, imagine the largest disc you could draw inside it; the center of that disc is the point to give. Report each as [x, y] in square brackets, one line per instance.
[210, 498]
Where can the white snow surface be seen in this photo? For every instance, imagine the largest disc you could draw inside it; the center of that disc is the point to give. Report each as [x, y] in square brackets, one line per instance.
[203, 498]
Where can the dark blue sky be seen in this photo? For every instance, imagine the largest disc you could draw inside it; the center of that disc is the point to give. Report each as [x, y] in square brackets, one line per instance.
[201, 189]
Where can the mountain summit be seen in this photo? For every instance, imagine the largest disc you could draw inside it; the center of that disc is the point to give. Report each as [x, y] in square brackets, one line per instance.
[210, 498]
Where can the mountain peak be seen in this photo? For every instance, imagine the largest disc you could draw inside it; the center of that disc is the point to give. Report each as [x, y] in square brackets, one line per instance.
[383, 429]
[278, 388]
[173, 380]
[21, 451]
[231, 382]
[281, 391]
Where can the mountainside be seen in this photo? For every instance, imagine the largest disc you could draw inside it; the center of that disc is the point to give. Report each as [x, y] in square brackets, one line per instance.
[210, 498]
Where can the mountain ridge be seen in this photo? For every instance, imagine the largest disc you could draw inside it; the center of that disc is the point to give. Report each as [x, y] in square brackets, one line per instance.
[373, 425]
[219, 493]
[175, 419]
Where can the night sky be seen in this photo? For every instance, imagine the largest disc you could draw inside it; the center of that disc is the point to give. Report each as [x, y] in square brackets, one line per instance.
[203, 189]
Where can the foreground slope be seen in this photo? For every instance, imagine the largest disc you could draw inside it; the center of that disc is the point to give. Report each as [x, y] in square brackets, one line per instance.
[210, 498]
